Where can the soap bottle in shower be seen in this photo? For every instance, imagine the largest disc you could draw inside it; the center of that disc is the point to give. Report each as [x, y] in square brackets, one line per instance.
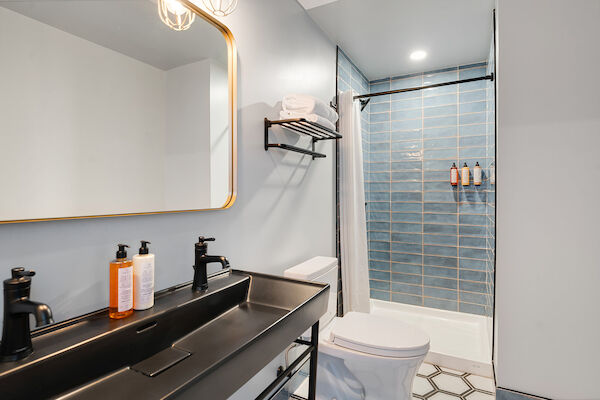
[464, 176]
[143, 278]
[121, 285]
[477, 172]
[453, 175]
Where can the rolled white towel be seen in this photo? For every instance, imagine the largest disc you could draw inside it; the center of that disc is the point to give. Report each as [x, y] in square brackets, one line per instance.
[305, 104]
[309, 117]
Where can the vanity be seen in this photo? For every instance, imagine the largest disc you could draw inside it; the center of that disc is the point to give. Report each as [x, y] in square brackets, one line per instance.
[191, 344]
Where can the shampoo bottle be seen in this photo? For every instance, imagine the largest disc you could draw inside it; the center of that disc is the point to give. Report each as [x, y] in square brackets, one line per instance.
[121, 285]
[477, 175]
[453, 175]
[143, 278]
[464, 176]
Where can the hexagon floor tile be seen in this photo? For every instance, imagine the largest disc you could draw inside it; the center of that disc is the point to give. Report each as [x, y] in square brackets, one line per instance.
[440, 383]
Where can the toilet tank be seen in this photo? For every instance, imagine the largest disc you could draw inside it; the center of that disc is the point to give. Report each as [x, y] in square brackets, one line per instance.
[323, 270]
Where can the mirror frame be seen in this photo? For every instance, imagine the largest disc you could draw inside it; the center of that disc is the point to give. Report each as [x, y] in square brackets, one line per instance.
[232, 91]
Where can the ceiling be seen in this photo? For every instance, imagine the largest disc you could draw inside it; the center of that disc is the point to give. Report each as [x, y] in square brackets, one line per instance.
[130, 27]
[379, 35]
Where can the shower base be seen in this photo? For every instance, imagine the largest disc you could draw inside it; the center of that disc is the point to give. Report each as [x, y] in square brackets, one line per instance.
[459, 341]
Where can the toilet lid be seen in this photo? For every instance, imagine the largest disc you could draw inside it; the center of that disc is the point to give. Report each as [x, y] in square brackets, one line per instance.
[379, 336]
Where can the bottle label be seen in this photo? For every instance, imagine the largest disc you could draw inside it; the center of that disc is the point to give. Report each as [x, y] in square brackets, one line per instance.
[454, 176]
[125, 289]
[477, 176]
[465, 177]
[143, 283]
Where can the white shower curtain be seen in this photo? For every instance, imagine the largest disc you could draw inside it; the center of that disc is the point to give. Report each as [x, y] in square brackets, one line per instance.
[354, 250]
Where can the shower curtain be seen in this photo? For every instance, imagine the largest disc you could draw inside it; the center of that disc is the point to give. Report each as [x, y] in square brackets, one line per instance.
[353, 229]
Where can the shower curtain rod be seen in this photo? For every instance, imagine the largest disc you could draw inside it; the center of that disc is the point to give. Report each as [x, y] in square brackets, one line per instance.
[481, 78]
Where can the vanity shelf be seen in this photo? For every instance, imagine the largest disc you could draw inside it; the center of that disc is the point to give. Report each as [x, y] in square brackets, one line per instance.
[302, 126]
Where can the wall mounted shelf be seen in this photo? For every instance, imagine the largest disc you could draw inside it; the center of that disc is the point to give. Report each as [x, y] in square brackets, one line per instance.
[302, 126]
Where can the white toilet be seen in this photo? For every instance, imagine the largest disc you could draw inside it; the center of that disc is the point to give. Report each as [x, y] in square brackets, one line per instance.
[361, 356]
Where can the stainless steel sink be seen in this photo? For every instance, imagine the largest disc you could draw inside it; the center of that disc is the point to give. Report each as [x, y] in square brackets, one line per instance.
[201, 345]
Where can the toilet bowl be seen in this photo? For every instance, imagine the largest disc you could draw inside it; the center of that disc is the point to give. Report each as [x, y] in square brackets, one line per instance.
[361, 356]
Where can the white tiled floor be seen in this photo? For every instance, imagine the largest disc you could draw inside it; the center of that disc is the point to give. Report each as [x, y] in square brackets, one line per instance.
[438, 383]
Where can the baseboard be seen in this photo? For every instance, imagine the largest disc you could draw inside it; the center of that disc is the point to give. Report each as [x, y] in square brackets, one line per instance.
[506, 394]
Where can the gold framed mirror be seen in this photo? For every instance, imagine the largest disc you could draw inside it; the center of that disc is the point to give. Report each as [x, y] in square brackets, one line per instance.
[108, 111]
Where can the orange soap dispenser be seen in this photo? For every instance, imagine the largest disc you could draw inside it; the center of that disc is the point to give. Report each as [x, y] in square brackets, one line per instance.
[464, 176]
[121, 285]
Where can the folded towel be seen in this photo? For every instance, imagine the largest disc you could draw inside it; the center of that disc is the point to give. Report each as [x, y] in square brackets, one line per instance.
[309, 117]
[302, 103]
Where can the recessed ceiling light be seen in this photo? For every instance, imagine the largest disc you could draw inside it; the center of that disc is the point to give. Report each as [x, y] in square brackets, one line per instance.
[418, 55]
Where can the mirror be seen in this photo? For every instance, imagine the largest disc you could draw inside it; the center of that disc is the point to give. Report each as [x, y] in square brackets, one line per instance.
[105, 110]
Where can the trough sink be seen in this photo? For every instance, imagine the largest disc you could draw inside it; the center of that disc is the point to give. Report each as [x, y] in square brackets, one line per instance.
[189, 345]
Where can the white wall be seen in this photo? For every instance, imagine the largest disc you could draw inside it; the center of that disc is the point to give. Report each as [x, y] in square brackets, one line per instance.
[285, 208]
[548, 184]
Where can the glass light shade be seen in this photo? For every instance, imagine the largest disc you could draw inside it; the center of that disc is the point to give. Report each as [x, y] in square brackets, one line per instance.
[175, 15]
[221, 8]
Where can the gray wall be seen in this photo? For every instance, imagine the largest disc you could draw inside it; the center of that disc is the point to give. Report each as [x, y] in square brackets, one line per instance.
[285, 208]
[548, 174]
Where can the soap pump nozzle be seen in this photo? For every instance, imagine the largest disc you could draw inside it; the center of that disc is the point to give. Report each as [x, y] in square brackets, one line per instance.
[121, 253]
[144, 248]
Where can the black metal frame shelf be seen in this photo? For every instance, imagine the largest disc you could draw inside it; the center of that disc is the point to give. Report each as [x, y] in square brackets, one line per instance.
[302, 126]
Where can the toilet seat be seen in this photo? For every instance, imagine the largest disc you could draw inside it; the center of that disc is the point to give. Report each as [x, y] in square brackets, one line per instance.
[378, 336]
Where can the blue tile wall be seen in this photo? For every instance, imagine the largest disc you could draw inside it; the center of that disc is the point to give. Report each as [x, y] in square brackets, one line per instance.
[430, 244]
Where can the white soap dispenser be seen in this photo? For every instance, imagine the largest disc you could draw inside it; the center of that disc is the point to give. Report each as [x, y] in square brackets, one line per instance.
[143, 278]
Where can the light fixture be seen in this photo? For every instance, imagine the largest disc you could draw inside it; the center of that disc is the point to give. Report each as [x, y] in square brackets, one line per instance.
[175, 15]
[418, 55]
[221, 8]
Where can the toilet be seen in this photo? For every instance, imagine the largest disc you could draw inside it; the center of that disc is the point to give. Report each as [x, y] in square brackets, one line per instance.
[361, 356]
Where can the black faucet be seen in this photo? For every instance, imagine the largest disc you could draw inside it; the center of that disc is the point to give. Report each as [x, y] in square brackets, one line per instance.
[200, 276]
[16, 335]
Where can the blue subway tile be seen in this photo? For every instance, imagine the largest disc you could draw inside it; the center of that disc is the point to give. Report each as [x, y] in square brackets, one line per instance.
[406, 104]
[374, 147]
[436, 228]
[379, 196]
[379, 137]
[381, 236]
[475, 287]
[450, 219]
[406, 125]
[379, 255]
[467, 97]
[406, 288]
[438, 111]
[440, 121]
[473, 197]
[401, 115]
[407, 207]
[381, 107]
[406, 278]
[379, 166]
[439, 100]
[473, 219]
[379, 186]
[466, 263]
[407, 237]
[379, 216]
[380, 176]
[440, 207]
[407, 217]
[438, 186]
[473, 152]
[379, 285]
[472, 230]
[475, 118]
[406, 176]
[380, 295]
[472, 208]
[441, 293]
[407, 258]
[380, 157]
[405, 83]
[439, 239]
[380, 275]
[442, 90]
[407, 227]
[407, 196]
[407, 155]
[475, 298]
[468, 275]
[478, 106]
[440, 282]
[379, 226]
[379, 127]
[447, 196]
[441, 132]
[441, 261]
[447, 251]
[406, 268]
[440, 272]
[472, 253]
[464, 87]
[466, 241]
[407, 187]
[415, 248]
[472, 130]
[448, 154]
[406, 299]
[472, 141]
[378, 206]
[377, 245]
[413, 134]
[472, 73]
[443, 143]
[437, 165]
[407, 166]
[407, 145]
[380, 117]
[379, 265]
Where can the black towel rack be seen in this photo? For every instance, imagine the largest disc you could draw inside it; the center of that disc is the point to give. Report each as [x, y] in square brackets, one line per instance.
[302, 126]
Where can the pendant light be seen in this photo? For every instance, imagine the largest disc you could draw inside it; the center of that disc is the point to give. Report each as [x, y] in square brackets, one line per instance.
[175, 15]
[221, 8]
